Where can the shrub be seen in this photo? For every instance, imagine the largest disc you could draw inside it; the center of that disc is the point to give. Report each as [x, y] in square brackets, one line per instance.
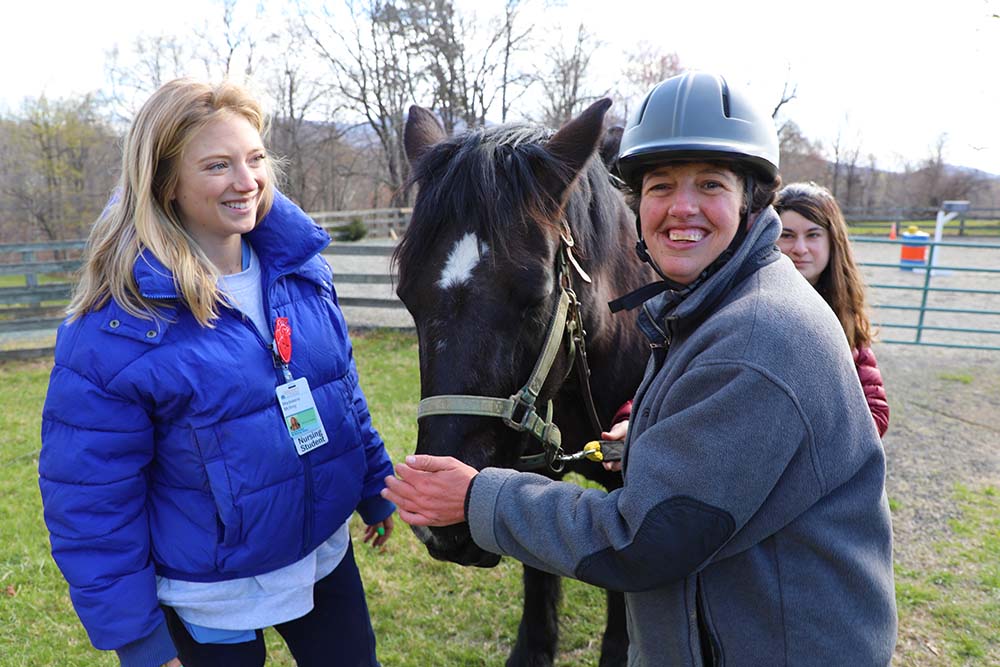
[355, 230]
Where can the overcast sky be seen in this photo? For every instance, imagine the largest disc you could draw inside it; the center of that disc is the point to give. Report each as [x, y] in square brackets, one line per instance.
[892, 74]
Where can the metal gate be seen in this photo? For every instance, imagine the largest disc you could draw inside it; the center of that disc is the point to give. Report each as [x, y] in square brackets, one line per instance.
[950, 300]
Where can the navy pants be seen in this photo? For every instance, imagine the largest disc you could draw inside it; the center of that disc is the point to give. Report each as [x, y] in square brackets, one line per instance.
[336, 633]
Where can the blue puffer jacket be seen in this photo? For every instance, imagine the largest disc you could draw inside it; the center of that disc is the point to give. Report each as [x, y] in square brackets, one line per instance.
[164, 450]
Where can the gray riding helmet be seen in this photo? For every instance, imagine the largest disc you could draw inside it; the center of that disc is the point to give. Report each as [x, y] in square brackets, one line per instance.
[697, 115]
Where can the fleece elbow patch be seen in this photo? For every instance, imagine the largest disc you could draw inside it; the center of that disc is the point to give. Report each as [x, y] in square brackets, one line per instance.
[675, 537]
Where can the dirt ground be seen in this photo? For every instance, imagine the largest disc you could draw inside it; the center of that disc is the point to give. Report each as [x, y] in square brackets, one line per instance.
[944, 429]
[945, 402]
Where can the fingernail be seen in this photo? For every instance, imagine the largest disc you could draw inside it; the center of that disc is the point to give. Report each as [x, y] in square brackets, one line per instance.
[411, 459]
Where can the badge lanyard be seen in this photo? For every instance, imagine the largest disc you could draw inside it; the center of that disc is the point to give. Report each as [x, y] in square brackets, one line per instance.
[295, 399]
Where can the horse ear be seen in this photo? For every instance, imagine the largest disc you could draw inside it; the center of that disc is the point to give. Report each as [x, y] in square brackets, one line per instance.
[422, 131]
[610, 144]
[576, 141]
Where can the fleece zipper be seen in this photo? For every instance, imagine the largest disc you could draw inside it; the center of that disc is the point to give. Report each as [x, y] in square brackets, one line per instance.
[657, 358]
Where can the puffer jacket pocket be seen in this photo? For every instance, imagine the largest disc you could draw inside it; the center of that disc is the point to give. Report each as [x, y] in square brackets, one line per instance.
[229, 514]
[220, 487]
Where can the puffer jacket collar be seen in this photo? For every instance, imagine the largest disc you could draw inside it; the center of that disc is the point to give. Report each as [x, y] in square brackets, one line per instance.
[284, 241]
[757, 250]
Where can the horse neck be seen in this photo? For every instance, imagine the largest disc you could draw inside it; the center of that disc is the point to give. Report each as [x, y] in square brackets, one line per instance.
[616, 348]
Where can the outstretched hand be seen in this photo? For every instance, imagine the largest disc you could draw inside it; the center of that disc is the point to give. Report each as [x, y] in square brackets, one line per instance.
[381, 532]
[617, 432]
[430, 490]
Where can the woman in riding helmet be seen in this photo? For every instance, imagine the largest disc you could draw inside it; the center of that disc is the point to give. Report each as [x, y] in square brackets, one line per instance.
[753, 526]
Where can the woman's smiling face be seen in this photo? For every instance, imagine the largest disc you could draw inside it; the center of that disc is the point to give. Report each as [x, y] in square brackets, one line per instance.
[222, 177]
[806, 243]
[690, 212]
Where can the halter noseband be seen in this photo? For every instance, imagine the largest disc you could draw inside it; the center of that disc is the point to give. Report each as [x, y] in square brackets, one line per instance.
[519, 411]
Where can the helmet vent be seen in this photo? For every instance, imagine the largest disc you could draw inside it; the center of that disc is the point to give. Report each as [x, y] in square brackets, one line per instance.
[725, 99]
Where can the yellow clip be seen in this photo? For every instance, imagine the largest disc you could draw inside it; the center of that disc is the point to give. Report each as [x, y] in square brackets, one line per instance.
[592, 450]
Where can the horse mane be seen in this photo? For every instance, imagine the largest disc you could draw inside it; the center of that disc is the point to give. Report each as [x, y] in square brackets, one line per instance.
[495, 172]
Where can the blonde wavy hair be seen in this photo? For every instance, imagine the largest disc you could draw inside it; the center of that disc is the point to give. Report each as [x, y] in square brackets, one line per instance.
[840, 284]
[142, 214]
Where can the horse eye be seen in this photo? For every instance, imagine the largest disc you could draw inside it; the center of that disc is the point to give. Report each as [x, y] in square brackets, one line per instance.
[529, 289]
[529, 298]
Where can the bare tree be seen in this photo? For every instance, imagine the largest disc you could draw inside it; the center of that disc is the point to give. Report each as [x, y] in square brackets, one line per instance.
[468, 63]
[300, 141]
[837, 165]
[800, 158]
[512, 86]
[239, 40]
[565, 84]
[437, 38]
[789, 92]
[321, 169]
[227, 48]
[373, 73]
[132, 76]
[874, 185]
[935, 181]
[852, 177]
[646, 65]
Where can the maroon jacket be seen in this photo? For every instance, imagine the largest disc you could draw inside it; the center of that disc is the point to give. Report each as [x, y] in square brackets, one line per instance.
[871, 381]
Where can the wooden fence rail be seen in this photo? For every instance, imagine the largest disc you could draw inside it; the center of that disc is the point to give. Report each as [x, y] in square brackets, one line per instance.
[379, 222]
[49, 267]
[37, 305]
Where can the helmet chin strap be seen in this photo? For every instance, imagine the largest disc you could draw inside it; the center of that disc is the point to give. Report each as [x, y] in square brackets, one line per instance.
[637, 297]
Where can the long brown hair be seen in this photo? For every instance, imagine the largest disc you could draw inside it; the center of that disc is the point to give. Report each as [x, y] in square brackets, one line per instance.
[143, 215]
[840, 283]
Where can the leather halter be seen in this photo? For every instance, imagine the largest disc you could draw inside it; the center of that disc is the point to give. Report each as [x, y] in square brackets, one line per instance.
[519, 411]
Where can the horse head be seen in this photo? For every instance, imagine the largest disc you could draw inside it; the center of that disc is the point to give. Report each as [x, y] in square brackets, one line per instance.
[510, 223]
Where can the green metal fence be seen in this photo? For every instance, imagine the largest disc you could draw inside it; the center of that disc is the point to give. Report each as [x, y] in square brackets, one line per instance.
[951, 300]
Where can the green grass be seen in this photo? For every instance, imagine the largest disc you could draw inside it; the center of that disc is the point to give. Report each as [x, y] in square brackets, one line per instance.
[973, 228]
[963, 378]
[425, 612]
[957, 602]
[18, 280]
[431, 613]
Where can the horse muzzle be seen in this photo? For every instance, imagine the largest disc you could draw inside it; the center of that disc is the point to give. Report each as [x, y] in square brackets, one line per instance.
[454, 544]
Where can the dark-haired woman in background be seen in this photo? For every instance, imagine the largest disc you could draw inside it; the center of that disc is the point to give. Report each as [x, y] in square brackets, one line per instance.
[814, 236]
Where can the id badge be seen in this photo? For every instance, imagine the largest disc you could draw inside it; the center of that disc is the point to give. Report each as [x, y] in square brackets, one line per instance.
[301, 419]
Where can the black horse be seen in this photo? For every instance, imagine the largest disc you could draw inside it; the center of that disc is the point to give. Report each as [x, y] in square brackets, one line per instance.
[518, 234]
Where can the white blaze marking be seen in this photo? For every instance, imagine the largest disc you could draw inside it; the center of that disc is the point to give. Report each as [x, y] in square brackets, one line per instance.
[461, 261]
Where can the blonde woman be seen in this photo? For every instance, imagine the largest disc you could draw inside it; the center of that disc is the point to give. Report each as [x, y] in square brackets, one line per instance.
[183, 512]
[814, 236]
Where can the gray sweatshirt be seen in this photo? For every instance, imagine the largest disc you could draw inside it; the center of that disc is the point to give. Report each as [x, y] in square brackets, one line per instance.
[753, 527]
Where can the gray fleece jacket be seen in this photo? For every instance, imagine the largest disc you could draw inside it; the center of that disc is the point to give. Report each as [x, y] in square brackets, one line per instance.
[753, 527]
